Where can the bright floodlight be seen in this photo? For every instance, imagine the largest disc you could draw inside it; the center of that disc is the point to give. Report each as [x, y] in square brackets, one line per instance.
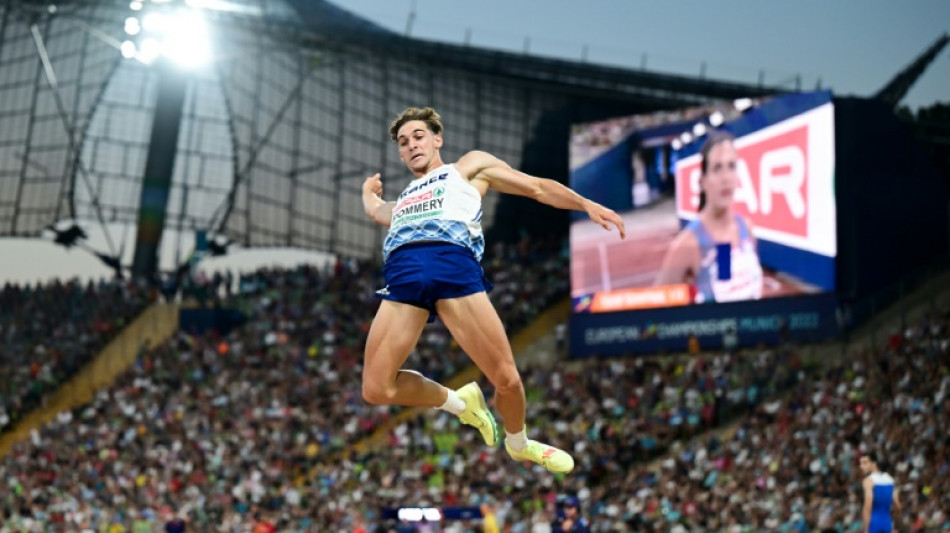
[716, 119]
[186, 40]
[135, 5]
[676, 144]
[155, 22]
[128, 49]
[181, 36]
[743, 103]
[699, 129]
[151, 49]
[132, 26]
[686, 137]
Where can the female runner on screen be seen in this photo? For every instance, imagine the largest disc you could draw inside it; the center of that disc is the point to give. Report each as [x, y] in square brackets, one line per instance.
[716, 253]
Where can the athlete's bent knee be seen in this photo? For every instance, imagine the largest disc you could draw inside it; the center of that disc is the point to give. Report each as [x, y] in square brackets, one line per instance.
[377, 394]
[507, 381]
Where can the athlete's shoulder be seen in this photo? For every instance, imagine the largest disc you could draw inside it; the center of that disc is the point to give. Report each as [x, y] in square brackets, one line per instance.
[685, 241]
[476, 161]
[881, 478]
[688, 237]
[476, 155]
[694, 225]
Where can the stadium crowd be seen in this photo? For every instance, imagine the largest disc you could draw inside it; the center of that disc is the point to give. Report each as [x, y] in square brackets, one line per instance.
[286, 386]
[246, 430]
[615, 415]
[792, 465]
[233, 435]
[47, 332]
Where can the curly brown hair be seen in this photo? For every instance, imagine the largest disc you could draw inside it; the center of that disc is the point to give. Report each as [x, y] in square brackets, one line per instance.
[426, 114]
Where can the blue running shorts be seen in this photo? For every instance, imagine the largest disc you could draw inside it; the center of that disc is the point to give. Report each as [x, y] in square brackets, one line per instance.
[422, 273]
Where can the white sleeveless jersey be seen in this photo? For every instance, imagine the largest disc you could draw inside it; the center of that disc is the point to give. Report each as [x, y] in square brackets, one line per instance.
[745, 280]
[883, 492]
[440, 206]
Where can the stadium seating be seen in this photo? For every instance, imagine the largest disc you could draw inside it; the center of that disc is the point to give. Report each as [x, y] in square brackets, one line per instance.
[283, 392]
[233, 430]
[49, 331]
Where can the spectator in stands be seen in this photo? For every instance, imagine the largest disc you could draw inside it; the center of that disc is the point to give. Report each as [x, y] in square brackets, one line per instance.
[489, 519]
[176, 524]
[571, 521]
[692, 344]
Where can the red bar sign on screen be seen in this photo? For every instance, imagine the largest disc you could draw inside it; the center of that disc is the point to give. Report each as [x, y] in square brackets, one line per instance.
[773, 183]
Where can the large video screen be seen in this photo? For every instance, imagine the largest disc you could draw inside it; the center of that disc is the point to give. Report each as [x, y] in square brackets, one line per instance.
[726, 202]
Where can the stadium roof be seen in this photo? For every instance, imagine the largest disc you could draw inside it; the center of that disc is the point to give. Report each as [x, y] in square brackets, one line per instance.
[276, 135]
[326, 19]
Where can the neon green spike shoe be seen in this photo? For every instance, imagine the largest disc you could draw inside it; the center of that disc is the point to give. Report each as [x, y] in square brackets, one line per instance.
[549, 457]
[477, 414]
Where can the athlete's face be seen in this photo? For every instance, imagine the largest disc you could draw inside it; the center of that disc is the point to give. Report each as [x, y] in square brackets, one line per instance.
[418, 147]
[866, 465]
[720, 180]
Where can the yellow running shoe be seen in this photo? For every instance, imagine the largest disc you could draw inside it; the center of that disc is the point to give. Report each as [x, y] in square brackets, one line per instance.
[549, 457]
[477, 413]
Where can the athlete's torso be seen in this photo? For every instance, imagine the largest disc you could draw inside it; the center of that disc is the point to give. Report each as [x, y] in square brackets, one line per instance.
[883, 498]
[440, 206]
[745, 280]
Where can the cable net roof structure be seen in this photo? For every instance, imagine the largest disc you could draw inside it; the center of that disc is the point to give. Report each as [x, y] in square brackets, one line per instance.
[42, 121]
[279, 130]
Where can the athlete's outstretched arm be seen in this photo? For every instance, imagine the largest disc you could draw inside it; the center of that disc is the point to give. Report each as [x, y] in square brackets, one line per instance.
[495, 173]
[375, 207]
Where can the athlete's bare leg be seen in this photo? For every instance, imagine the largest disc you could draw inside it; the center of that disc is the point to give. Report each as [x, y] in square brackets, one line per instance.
[393, 335]
[475, 325]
